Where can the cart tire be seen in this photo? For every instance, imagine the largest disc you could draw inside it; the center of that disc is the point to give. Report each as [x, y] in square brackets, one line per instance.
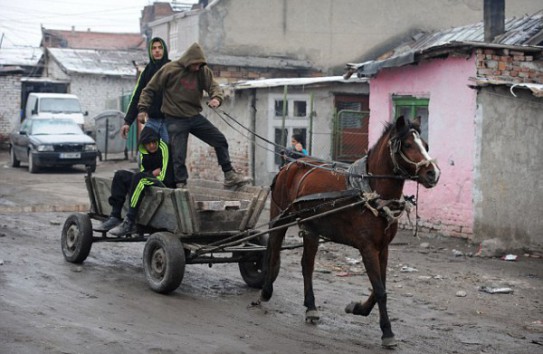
[13, 159]
[252, 272]
[164, 262]
[76, 238]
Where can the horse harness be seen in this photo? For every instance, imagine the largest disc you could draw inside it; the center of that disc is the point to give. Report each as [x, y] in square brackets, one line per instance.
[357, 188]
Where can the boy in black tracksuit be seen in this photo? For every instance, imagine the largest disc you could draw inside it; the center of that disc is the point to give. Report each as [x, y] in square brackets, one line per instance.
[155, 170]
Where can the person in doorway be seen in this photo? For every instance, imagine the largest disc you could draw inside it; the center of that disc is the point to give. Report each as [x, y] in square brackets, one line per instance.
[155, 170]
[158, 56]
[181, 84]
[296, 148]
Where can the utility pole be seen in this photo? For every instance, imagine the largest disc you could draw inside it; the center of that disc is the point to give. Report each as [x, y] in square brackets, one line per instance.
[1, 39]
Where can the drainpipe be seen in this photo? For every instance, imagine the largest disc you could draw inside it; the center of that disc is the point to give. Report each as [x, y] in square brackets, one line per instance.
[252, 118]
[494, 19]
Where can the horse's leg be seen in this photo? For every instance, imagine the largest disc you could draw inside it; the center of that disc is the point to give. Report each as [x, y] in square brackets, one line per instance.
[273, 262]
[311, 245]
[375, 263]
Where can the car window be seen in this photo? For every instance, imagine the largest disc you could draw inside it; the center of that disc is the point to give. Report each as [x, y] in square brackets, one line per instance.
[60, 105]
[54, 126]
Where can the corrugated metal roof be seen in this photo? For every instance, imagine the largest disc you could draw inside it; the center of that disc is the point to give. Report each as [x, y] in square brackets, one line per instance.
[302, 81]
[519, 33]
[98, 62]
[23, 56]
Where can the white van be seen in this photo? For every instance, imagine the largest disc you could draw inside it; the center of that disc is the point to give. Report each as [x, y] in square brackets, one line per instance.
[55, 105]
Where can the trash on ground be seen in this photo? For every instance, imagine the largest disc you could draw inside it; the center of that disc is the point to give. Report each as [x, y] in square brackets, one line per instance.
[491, 290]
[406, 269]
[510, 257]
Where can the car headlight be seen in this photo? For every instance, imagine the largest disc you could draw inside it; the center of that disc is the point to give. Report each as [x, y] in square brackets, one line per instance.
[90, 147]
[45, 148]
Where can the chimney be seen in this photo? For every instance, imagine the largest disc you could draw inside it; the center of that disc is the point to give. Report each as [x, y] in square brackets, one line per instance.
[494, 14]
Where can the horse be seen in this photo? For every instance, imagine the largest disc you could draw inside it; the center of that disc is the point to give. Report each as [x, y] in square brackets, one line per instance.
[364, 219]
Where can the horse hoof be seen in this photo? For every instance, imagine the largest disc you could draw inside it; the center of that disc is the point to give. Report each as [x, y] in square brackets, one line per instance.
[389, 342]
[350, 308]
[312, 316]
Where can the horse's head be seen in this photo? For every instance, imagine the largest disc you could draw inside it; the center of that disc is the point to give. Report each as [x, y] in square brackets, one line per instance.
[409, 153]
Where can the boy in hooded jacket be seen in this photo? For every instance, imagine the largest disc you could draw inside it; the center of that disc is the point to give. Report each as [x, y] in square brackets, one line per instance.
[155, 170]
[158, 56]
[181, 84]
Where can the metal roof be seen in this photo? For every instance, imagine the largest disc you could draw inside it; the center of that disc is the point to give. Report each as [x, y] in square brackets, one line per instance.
[302, 81]
[98, 62]
[22, 56]
[524, 33]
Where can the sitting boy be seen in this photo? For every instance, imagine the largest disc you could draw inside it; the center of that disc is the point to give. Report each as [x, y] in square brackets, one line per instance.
[155, 170]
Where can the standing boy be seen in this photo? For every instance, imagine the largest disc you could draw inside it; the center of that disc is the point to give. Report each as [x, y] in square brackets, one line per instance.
[158, 56]
[181, 84]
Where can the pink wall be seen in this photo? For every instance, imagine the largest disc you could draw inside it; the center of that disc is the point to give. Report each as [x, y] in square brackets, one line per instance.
[447, 207]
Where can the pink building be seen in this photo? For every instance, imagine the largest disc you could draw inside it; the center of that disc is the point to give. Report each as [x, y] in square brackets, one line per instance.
[481, 107]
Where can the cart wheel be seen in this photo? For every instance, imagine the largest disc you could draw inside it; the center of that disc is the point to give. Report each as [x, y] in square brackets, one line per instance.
[76, 238]
[252, 271]
[163, 262]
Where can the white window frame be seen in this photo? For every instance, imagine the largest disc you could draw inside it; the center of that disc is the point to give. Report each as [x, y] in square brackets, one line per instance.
[291, 123]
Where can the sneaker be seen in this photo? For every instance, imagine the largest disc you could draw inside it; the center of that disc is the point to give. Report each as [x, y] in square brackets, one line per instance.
[109, 224]
[181, 185]
[233, 178]
[128, 227]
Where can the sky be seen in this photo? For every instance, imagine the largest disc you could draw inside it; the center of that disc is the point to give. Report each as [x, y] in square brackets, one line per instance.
[20, 22]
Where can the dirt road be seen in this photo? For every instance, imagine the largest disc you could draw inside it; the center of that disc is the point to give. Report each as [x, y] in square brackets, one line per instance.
[48, 305]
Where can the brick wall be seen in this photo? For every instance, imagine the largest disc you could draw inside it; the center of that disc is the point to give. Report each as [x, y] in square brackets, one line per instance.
[10, 114]
[510, 65]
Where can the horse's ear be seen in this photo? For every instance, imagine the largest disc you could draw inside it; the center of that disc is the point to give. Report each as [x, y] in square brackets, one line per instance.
[401, 123]
[417, 120]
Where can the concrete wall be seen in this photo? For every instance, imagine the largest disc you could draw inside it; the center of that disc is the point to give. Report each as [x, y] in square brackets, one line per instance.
[448, 206]
[508, 203]
[10, 114]
[326, 32]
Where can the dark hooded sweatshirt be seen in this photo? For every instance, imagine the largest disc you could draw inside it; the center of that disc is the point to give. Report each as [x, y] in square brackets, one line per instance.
[160, 159]
[143, 80]
[182, 89]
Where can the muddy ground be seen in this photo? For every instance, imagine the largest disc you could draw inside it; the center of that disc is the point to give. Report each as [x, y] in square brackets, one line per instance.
[48, 305]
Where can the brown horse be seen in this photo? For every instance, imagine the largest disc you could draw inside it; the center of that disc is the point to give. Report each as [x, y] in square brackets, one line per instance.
[364, 219]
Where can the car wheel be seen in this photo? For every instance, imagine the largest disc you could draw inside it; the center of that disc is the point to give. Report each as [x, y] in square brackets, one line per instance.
[13, 162]
[32, 167]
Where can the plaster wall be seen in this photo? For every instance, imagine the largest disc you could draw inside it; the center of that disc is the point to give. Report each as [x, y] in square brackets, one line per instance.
[239, 105]
[508, 203]
[330, 33]
[447, 207]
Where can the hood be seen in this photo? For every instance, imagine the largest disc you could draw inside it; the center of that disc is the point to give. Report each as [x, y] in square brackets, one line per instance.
[147, 135]
[193, 55]
[149, 51]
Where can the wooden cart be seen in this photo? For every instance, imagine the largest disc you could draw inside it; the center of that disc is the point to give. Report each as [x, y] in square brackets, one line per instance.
[203, 223]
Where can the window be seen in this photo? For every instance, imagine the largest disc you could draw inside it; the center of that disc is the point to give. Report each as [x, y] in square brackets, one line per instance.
[351, 127]
[412, 108]
[295, 109]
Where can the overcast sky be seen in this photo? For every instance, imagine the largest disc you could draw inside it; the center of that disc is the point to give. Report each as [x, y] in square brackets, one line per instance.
[21, 21]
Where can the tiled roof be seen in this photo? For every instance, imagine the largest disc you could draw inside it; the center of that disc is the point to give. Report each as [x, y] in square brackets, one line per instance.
[98, 62]
[92, 40]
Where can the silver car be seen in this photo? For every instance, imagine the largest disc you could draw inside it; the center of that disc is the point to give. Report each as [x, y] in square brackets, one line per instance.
[44, 142]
